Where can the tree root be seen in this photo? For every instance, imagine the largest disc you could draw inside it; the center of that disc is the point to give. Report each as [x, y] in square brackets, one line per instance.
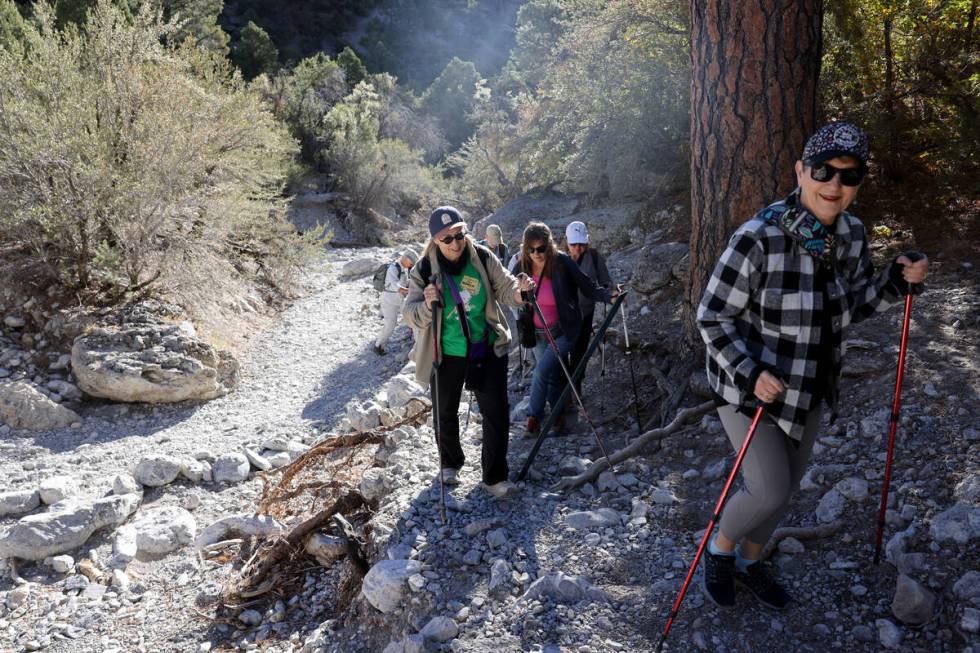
[635, 447]
[267, 558]
[800, 533]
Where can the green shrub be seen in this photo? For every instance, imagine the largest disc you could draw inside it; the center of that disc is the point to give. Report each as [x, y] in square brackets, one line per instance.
[128, 166]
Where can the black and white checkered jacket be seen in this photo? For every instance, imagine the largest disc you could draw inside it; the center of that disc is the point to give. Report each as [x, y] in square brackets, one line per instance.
[759, 311]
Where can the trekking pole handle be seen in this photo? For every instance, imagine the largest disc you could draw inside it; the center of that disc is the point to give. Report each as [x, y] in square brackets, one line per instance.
[915, 288]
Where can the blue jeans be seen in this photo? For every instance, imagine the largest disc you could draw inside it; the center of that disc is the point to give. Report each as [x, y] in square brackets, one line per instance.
[548, 380]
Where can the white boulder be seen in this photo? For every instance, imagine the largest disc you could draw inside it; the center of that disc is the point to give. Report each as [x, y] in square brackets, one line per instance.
[164, 529]
[22, 406]
[66, 526]
[385, 583]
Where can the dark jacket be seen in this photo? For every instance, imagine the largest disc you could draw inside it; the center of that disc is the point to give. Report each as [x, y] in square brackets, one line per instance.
[567, 280]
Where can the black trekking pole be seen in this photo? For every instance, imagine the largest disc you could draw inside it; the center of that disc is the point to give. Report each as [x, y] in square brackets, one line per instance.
[629, 355]
[711, 525]
[568, 377]
[436, 359]
[602, 349]
[915, 289]
[578, 373]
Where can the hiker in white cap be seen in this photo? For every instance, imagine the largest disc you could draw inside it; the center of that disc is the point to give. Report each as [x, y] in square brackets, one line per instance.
[393, 296]
[594, 267]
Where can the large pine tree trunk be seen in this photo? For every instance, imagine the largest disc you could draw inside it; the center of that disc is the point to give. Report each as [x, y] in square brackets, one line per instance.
[753, 104]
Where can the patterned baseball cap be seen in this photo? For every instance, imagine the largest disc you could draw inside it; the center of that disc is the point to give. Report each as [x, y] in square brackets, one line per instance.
[443, 218]
[837, 139]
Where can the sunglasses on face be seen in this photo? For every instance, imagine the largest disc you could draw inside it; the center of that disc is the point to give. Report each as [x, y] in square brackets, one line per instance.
[848, 176]
[541, 249]
[450, 238]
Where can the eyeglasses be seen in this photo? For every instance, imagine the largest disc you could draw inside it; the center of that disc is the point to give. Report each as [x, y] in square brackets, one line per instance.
[577, 245]
[450, 238]
[541, 249]
[848, 176]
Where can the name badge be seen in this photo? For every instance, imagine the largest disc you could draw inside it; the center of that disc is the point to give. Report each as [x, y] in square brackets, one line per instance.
[470, 285]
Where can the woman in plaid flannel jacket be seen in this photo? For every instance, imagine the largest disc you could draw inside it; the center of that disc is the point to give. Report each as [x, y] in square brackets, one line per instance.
[773, 318]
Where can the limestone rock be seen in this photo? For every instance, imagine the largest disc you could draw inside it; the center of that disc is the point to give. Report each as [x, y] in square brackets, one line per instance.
[853, 488]
[656, 263]
[22, 406]
[18, 502]
[156, 470]
[831, 506]
[359, 267]
[967, 588]
[592, 519]
[327, 549]
[385, 583]
[364, 418]
[230, 468]
[151, 362]
[164, 529]
[124, 547]
[562, 588]
[401, 389]
[968, 489]
[959, 524]
[56, 488]
[66, 526]
[440, 629]
[912, 604]
[125, 484]
[373, 483]
[888, 634]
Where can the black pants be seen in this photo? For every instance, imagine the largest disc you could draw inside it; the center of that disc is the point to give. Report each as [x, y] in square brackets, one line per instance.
[578, 349]
[494, 407]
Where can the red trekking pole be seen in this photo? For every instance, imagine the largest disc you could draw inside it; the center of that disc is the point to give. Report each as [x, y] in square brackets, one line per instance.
[711, 526]
[893, 425]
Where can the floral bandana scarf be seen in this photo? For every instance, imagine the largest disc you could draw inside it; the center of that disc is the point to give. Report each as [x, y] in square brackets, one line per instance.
[804, 227]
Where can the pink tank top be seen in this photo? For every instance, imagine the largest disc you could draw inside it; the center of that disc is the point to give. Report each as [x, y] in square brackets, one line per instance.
[546, 300]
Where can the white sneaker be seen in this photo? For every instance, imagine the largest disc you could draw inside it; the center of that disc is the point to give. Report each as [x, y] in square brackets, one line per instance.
[450, 476]
[502, 490]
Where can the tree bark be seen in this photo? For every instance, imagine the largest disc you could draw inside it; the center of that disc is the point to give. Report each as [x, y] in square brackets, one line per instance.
[753, 105]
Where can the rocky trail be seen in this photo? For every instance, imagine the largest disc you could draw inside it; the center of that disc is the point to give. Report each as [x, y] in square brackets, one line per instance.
[591, 569]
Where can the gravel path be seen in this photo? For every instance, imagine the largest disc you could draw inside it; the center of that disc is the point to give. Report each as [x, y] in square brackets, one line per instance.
[297, 379]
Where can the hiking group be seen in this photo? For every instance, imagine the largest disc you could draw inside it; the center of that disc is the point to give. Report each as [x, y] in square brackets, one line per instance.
[773, 319]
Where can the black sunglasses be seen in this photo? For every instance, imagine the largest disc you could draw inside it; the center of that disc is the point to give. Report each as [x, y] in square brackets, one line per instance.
[848, 176]
[450, 238]
[541, 249]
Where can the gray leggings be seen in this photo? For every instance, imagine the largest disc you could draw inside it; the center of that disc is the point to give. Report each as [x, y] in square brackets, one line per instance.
[771, 471]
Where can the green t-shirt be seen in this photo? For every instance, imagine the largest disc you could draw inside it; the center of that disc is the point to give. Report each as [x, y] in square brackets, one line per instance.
[474, 297]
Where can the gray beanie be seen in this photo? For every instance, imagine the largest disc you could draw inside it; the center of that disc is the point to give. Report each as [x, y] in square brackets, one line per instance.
[411, 255]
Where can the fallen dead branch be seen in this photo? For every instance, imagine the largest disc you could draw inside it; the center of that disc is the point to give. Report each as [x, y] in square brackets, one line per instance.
[800, 533]
[317, 491]
[286, 546]
[635, 447]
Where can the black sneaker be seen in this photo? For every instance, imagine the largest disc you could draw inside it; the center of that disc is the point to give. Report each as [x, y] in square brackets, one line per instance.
[717, 581]
[758, 579]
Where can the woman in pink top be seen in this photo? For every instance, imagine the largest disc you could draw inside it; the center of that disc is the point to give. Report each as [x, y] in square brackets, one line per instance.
[559, 281]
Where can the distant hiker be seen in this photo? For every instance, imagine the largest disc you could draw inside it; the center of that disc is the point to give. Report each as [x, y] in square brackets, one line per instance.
[773, 317]
[469, 344]
[393, 296]
[593, 265]
[493, 240]
[558, 280]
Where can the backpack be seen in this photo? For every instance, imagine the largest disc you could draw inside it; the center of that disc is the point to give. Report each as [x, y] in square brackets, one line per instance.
[379, 277]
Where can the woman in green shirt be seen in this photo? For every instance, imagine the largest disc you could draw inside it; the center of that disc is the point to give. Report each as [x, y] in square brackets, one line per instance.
[456, 290]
